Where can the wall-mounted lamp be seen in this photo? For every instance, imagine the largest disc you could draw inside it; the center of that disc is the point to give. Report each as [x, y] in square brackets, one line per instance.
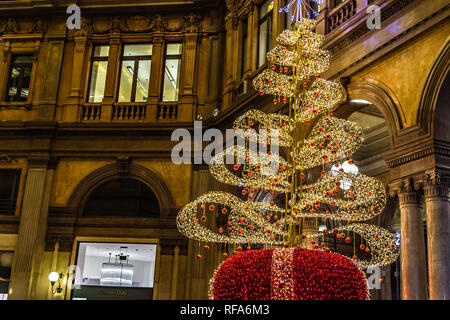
[54, 277]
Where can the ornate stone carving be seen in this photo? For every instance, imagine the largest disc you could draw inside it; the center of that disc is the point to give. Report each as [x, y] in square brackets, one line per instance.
[38, 26]
[115, 24]
[234, 5]
[431, 182]
[5, 159]
[131, 24]
[11, 26]
[137, 24]
[86, 28]
[159, 23]
[192, 23]
[104, 26]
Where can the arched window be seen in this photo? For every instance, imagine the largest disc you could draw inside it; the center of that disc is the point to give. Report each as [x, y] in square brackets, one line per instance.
[122, 198]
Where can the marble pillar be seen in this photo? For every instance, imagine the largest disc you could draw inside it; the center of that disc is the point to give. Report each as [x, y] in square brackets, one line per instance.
[438, 236]
[412, 254]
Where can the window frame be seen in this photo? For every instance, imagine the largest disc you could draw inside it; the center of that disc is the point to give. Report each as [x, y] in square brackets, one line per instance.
[93, 59]
[10, 67]
[244, 43]
[171, 56]
[18, 193]
[261, 20]
[136, 60]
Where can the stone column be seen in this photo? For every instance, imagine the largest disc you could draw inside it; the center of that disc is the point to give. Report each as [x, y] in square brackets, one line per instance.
[111, 76]
[188, 96]
[438, 233]
[32, 230]
[156, 77]
[173, 288]
[412, 254]
[75, 98]
[230, 47]
[50, 81]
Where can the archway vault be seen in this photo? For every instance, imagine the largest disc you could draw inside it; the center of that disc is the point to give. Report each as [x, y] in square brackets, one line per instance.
[429, 109]
[381, 97]
[115, 171]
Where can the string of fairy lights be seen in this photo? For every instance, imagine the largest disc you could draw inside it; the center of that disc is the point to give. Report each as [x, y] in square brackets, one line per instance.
[338, 197]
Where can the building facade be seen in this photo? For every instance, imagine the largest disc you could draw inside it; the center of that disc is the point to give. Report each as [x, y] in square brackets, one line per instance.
[87, 114]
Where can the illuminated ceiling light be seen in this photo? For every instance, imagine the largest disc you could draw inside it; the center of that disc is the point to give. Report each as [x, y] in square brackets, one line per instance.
[360, 101]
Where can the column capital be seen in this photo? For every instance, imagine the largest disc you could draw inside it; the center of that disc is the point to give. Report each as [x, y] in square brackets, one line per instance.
[409, 198]
[419, 181]
[432, 191]
[403, 186]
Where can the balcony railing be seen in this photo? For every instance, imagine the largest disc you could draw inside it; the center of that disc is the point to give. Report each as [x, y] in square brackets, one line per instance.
[128, 112]
[341, 14]
[91, 113]
[167, 111]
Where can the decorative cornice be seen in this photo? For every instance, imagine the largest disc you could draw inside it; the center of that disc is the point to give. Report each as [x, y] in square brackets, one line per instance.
[363, 30]
[432, 150]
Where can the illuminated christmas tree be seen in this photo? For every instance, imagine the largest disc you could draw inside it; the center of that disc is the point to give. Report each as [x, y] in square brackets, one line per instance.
[277, 202]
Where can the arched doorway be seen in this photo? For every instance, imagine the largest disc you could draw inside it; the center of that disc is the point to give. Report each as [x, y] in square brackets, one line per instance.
[123, 197]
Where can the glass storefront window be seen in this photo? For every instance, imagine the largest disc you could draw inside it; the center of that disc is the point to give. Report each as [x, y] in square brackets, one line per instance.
[114, 271]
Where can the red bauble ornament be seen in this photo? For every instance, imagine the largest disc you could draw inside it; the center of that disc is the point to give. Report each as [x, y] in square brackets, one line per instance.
[199, 257]
[206, 248]
[290, 273]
